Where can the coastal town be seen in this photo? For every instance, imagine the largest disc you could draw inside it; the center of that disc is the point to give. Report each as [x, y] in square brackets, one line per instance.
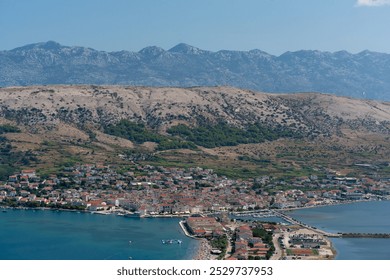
[214, 206]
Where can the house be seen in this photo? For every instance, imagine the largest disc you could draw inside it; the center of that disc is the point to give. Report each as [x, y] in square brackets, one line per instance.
[13, 178]
[165, 208]
[97, 205]
[30, 173]
[204, 226]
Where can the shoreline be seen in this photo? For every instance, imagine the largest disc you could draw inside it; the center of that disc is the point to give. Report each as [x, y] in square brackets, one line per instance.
[204, 251]
[186, 215]
[332, 204]
[201, 251]
[203, 248]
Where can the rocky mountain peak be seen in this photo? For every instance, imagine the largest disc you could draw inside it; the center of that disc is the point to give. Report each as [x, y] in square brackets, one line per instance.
[186, 49]
[152, 51]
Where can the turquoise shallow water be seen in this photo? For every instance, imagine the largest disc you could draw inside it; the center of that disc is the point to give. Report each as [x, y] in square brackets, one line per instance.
[51, 235]
[363, 217]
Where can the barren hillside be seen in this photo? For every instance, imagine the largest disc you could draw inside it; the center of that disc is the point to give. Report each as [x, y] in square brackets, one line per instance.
[161, 107]
[73, 120]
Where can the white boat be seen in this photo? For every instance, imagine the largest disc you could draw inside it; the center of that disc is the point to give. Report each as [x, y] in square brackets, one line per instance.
[171, 241]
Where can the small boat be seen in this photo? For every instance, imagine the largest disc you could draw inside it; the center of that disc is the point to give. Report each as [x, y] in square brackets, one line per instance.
[130, 242]
[171, 241]
[135, 214]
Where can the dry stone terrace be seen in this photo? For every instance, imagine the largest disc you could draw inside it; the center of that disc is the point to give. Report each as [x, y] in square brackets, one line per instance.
[156, 190]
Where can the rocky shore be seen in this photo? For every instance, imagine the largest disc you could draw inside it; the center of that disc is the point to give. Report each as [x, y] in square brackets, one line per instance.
[203, 252]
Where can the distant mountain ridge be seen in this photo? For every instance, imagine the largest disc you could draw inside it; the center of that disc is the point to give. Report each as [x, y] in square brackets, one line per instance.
[362, 75]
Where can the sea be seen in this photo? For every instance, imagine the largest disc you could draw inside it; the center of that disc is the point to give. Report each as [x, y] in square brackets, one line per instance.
[62, 235]
[359, 217]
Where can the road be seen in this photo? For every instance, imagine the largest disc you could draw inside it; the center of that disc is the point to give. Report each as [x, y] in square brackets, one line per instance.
[278, 254]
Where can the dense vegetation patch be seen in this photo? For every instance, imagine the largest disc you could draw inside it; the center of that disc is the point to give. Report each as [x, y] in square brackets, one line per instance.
[139, 134]
[211, 136]
[220, 243]
[267, 239]
[6, 128]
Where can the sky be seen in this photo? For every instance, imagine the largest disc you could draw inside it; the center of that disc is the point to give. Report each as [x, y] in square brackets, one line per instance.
[274, 26]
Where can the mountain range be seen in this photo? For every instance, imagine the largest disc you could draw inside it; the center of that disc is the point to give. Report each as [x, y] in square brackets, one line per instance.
[363, 75]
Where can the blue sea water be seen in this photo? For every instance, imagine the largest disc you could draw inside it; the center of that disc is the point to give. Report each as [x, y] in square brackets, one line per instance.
[364, 217]
[52, 235]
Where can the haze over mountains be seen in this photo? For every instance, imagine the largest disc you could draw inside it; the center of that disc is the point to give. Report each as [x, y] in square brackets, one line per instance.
[362, 75]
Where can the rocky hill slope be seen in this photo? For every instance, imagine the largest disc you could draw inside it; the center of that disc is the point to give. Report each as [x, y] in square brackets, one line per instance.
[160, 108]
[362, 75]
[239, 133]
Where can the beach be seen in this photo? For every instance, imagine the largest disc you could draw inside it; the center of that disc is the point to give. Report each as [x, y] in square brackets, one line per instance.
[203, 252]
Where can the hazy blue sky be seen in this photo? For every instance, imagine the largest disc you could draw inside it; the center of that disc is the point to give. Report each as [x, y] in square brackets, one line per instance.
[274, 26]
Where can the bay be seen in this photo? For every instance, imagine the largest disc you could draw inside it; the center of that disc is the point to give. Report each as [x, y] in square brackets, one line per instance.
[52, 235]
[360, 217]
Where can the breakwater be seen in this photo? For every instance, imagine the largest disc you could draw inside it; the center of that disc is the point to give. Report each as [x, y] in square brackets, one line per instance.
[365, 235]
